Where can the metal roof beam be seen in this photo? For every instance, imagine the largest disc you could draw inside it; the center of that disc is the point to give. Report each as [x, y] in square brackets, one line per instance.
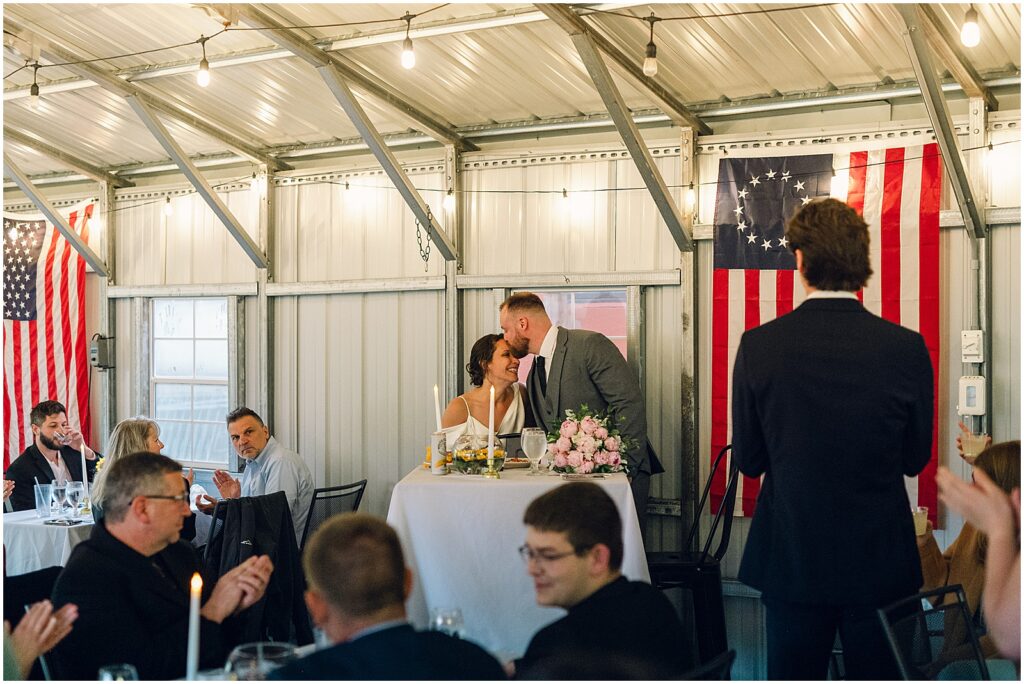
[630, 134]
[79, 165]
[204, 189]
[58, 54]
[941, 121]
[947, 48]
[572, 24]
[14, 173]
[303, 48]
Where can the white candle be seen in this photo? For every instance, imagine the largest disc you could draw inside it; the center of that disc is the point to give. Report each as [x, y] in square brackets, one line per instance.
[85, 476]
[490, 429]
[192, 655]
[437, 408]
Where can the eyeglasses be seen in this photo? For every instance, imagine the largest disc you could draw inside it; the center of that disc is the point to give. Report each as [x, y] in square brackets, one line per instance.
[180, 498]
[529, 554]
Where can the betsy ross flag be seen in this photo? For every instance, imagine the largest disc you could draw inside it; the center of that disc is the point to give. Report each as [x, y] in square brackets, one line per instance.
[754, 279]
[44, 325]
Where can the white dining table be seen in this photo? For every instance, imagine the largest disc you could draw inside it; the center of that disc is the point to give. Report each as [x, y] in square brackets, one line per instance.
[30, 544]
[461, 534]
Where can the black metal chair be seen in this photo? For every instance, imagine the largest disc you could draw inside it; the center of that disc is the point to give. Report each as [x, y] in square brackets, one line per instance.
[330, 501]
[717, 669]
[927, 638]
[700, 572]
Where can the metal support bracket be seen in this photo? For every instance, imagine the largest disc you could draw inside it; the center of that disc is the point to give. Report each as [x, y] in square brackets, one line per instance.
[79, 165]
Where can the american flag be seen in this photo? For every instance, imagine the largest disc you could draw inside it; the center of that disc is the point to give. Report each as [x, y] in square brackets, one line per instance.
[45, 355]
[754, 279]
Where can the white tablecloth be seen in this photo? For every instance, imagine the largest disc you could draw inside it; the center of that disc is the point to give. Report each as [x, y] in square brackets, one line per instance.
[31, 545]
[460, 535]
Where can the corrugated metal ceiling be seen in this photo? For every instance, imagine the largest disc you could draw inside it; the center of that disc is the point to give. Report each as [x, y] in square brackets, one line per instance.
[528, 71]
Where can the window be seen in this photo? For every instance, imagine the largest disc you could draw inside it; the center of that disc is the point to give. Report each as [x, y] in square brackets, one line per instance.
[602, 311]
[189, 380]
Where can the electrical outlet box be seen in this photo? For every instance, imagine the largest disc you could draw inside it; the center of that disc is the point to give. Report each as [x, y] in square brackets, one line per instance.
[972, 346]
[101, 352]
[971, 397]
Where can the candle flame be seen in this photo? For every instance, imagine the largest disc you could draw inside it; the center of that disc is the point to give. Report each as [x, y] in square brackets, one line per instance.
[197, 583]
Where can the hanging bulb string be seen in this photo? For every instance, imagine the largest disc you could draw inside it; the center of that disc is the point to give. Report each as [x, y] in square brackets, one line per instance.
[741, 13]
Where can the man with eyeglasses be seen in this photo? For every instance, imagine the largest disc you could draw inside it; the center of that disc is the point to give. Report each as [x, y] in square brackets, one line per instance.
[131, 580]
[615, 628]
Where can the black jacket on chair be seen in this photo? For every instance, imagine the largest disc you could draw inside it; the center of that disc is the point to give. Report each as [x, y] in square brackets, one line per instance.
[834, 406]
[254, 526]
[31, 467]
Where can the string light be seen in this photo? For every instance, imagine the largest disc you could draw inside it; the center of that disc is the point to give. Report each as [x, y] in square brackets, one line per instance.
[970, 34]
[565, 194]
[691, 197]
[651, 56]
[449, 201]
[33, 91]
[408, 56]
[203, 75]
[168, 207]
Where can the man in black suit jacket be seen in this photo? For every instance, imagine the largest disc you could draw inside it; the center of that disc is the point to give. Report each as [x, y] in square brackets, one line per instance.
[47, 456]
[834, 406]
[576, 367]
[131, 580]
[358, 583]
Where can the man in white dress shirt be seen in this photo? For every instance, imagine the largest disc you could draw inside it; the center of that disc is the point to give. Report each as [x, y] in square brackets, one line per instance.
[269, 468]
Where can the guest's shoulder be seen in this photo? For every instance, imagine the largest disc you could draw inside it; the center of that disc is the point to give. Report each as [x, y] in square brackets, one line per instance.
[23, 462]
[326, 664]
[474, 662]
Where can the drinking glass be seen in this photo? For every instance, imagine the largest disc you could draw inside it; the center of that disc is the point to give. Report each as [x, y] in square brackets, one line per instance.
[75, 492]
[44, 500]
[256, 660]
[122, 672]
[447, 621]
[534, 443]
[60, 493]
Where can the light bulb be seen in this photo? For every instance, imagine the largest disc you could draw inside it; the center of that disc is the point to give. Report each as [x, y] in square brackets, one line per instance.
[691, 198]
[168, 208]
[651, 61]
[449, 201]
[408, 56]
[203, 75]
[33, 97]
[970, 34]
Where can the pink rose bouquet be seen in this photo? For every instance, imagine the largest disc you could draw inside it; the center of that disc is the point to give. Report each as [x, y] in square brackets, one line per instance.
[587, 442]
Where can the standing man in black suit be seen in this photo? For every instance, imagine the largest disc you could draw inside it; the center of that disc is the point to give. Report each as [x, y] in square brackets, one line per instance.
[576, 367]
[834, 406]
[49, 458]
[358, 583]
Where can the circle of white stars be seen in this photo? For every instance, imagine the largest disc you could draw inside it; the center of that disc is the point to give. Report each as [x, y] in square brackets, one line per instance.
[741, 224]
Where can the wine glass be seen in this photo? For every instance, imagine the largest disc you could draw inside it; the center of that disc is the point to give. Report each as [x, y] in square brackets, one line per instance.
[256, 660]
[534, 443]
[447, 621]
[122, 672]
[59, 493]
[75, 492]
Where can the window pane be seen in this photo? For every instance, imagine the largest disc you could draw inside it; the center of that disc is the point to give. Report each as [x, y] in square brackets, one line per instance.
[212, 359]
[172, 358]
[211, 444]
[211, 403]
[177, 439]
[172, 318]
[172, 401]
[212, 318]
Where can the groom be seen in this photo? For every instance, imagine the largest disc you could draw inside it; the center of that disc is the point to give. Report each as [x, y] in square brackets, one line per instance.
[576, 367]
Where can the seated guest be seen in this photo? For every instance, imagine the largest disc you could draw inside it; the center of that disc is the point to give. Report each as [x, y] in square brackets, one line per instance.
[358, 584]
[491, 364]
[54, 455]
[269, 468]
[131, 580]
[963, 562]
[573, 552]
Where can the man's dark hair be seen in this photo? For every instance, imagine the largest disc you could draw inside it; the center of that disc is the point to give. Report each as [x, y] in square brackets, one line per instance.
[584, 513]
[834, 241]
[45, 409]
[131, 476]
[522, 302]
[355, 561]
[243, 412]
[483, 350]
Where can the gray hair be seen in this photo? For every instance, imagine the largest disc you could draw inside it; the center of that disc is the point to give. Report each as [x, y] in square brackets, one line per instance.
[136, 474]
[129, 437]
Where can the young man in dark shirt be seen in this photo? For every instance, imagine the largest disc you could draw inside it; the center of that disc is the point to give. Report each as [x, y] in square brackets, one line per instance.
[615, 628]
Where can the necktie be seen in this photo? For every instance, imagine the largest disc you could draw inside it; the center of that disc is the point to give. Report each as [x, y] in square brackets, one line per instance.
[541, 374]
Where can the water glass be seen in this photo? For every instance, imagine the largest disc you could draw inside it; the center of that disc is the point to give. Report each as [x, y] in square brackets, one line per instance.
[75, 493]
[60, 493]
[534, 443]
[256, 660]
[447, 621]
[122, 672]
[44, 497]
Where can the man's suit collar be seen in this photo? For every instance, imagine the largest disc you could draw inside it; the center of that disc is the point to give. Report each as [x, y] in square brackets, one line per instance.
[835, 304]
[42, 466]
[555, 364]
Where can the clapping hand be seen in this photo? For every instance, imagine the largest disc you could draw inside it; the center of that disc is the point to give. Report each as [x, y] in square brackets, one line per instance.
[205, 503]
[239, 588]
[8, 489]
[39, 631]
[228, 486]
[983, 503]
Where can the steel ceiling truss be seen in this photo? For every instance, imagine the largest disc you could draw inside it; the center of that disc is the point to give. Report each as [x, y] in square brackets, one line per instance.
[79, 165]
[947, 48]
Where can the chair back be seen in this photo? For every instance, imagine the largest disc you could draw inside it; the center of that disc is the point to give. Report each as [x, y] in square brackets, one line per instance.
[330, 501]
[724, 515]
[718, 668]
[932, 631]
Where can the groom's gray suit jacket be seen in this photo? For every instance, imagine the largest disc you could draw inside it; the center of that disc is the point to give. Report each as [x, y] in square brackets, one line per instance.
[587, 368]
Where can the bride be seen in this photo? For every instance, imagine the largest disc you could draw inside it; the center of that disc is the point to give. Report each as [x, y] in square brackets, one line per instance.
[491, 364]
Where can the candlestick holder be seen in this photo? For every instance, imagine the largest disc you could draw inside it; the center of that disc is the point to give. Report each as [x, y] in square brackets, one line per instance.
[491, 473]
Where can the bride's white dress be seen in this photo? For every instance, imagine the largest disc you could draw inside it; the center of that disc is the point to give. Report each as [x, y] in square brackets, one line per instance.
[513, 422]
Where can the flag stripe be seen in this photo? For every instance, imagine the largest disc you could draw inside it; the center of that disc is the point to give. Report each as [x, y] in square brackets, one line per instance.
[18, 397]
[931, 191]
[891, 201]
[721, 356]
